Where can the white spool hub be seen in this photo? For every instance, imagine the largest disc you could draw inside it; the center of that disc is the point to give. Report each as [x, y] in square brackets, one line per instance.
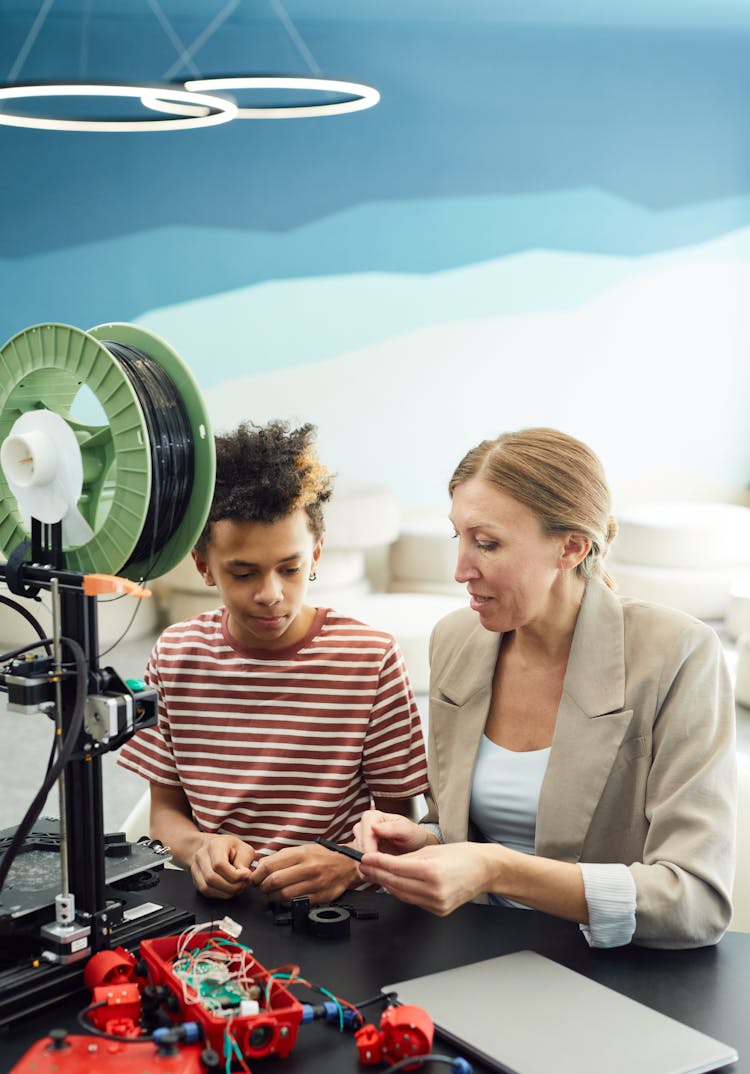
[41, 461]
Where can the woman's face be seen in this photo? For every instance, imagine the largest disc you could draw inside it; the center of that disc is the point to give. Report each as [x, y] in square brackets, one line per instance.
[509, 565]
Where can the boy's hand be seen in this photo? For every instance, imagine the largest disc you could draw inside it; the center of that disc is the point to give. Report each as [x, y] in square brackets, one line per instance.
[309, 870]
[220, 868]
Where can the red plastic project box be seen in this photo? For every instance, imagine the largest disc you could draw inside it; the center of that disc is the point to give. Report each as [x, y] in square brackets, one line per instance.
[272, 1031]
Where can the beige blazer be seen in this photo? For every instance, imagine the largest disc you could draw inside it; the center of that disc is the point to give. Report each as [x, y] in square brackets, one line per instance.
[642, 768]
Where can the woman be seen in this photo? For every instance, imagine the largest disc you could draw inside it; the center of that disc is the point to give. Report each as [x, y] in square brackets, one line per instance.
[582, 742]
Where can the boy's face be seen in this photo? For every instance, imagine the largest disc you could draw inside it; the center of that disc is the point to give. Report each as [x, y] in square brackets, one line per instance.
[261, 570]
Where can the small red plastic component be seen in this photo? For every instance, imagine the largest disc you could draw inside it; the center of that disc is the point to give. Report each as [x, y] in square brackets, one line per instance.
[107, 967]
[122, 1004]
[406, 1030]
[369, 1045]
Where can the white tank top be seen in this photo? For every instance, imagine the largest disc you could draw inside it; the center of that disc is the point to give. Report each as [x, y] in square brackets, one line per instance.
[505, 795]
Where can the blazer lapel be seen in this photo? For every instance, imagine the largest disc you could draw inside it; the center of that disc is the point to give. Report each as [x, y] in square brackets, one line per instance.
[458, 714]
[590, 726]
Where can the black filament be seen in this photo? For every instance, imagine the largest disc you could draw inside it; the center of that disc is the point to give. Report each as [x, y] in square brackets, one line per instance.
[172, 450]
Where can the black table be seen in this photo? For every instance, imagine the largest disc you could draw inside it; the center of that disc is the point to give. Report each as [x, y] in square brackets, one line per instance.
[705, 988]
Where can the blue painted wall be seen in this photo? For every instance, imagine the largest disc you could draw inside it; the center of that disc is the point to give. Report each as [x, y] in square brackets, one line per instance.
[537, 225]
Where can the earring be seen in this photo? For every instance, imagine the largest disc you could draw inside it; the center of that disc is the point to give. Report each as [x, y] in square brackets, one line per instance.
[313, 576]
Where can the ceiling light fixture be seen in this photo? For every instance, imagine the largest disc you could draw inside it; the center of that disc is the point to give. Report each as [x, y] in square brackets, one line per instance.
[187, 101]
[212, 109]
[361, 96]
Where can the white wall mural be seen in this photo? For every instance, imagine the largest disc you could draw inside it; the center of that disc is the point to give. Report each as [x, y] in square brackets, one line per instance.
[646, 358]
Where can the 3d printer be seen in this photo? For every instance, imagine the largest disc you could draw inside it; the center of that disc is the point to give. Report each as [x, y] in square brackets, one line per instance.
[85, 509]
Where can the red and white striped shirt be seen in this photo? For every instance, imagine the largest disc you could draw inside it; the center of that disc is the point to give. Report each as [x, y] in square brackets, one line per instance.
[278, 747]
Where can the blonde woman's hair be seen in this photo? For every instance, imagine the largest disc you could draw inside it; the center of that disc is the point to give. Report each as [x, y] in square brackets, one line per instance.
[558, 477]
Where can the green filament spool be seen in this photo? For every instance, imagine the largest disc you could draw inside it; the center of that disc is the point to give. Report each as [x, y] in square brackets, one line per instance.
[62, 369]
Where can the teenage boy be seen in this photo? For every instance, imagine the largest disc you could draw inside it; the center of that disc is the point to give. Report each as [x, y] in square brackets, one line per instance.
[278, 721]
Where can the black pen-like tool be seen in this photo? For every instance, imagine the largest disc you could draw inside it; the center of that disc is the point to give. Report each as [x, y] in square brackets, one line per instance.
[349, 851]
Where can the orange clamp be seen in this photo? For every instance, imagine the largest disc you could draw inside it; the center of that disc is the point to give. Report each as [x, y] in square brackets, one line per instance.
[94, 585]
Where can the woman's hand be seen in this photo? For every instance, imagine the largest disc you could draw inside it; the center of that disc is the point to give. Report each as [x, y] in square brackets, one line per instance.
[390, 833]
[438, 878]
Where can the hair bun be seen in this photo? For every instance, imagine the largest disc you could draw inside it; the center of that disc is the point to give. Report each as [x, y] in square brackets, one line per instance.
[611, 529]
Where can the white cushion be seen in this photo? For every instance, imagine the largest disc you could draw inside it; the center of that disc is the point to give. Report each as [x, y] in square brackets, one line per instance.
[684, 533]
[180, 606]
[340, 567]
[742, 680]
[332, 596]
[185, 577]
[410, 618]
[738, 612]
[360, 515]
[424, 550]
[410, 585]
[702, 593]
[741, 890]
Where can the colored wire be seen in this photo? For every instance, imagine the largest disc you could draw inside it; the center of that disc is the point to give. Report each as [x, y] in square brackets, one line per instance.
[231, 1047]
[460, 1066]
[171, 445]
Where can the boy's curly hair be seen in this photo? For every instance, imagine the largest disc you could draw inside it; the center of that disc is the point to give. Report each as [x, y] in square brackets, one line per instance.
[264, 473]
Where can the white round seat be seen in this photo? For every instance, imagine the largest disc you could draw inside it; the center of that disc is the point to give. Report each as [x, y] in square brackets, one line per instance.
[360, 515]
[180, 605]
[738, 612]
[680, 534]
[424, 551]
[410, 585]
[742, 680]
[702, 593]
[410, 618]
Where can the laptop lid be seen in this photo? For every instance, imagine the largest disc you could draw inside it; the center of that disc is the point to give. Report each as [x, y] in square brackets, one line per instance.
[525, 1014]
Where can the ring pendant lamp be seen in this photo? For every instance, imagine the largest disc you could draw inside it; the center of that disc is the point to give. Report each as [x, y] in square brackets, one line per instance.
[213, 109]
[190, 104]
[362, 96]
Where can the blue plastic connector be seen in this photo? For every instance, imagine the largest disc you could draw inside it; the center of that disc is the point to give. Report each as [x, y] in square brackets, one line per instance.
[461, 1066]
[186, 1031]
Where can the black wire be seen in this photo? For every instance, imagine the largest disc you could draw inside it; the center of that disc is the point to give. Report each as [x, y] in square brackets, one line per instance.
[116, 642]
[4, 657]
[172, 449]
[382, 997]
[84, 1023]
[14, 604]
[66, 749]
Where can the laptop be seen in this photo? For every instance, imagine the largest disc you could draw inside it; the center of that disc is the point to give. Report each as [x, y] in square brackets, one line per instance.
[525, 1014]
